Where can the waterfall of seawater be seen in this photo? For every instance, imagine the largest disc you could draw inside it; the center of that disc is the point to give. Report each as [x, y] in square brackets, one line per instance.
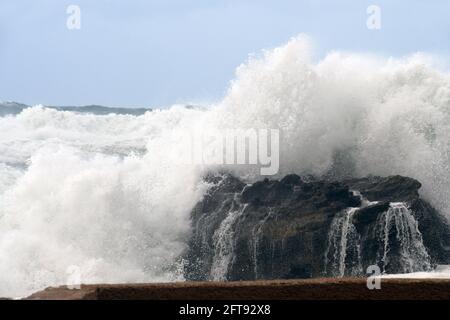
[398, 227]
[257, 232]
[223, 242]
[343, 240]
[401, 246]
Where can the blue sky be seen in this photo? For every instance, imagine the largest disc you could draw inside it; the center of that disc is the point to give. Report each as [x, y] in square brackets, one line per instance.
[161, 52]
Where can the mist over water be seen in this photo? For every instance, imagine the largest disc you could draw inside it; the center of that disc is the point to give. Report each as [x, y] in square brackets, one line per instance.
[99, 191]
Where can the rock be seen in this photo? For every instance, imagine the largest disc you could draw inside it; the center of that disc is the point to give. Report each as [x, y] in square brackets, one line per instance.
[293, 228]
[369, 215]
[435, 231]
[207, 217]
[392, 189]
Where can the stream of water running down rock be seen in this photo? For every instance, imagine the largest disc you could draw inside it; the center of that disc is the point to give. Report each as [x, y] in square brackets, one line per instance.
[398, 234]
[399, 221]
[224, 242]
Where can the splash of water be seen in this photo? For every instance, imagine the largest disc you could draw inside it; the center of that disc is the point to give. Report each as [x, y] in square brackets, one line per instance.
[100, 192]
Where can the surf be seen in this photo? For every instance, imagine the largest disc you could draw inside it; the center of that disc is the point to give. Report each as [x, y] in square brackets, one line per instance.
[99, 191]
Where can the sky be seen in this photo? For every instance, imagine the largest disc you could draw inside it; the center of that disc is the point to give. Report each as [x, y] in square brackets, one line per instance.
[155, 53]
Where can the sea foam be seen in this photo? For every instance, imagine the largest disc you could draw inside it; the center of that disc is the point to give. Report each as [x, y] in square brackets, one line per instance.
[100, 193]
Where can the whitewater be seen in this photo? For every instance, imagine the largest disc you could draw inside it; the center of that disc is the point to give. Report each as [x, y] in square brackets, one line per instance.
[101, 193]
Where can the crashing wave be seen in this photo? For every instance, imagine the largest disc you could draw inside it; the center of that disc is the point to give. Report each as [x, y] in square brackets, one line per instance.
[99, 192]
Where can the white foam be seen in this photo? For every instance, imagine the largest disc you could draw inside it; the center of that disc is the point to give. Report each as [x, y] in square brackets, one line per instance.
[98, 191]
[441, 272]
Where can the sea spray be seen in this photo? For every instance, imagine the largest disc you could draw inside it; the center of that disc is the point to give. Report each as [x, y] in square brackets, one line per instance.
[97, 191]
[91, 202]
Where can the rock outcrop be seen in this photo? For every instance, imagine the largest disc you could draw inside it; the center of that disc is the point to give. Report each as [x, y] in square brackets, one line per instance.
[300, 227]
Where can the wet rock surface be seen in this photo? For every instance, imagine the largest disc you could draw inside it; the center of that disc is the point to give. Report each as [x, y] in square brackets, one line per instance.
[301, 227]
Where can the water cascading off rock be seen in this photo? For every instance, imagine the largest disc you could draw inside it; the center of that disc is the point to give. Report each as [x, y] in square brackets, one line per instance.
[400, 244]
[304, 228]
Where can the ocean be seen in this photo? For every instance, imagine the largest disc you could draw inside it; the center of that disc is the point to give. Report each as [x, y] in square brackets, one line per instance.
[93, 192]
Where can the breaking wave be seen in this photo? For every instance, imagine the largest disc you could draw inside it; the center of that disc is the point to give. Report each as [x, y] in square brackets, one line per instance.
[98, 192]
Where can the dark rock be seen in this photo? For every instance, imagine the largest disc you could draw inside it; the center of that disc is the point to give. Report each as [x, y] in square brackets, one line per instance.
[284, 229]
[368, 215]
[292, 179]
[391, 189]
[434, 229]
